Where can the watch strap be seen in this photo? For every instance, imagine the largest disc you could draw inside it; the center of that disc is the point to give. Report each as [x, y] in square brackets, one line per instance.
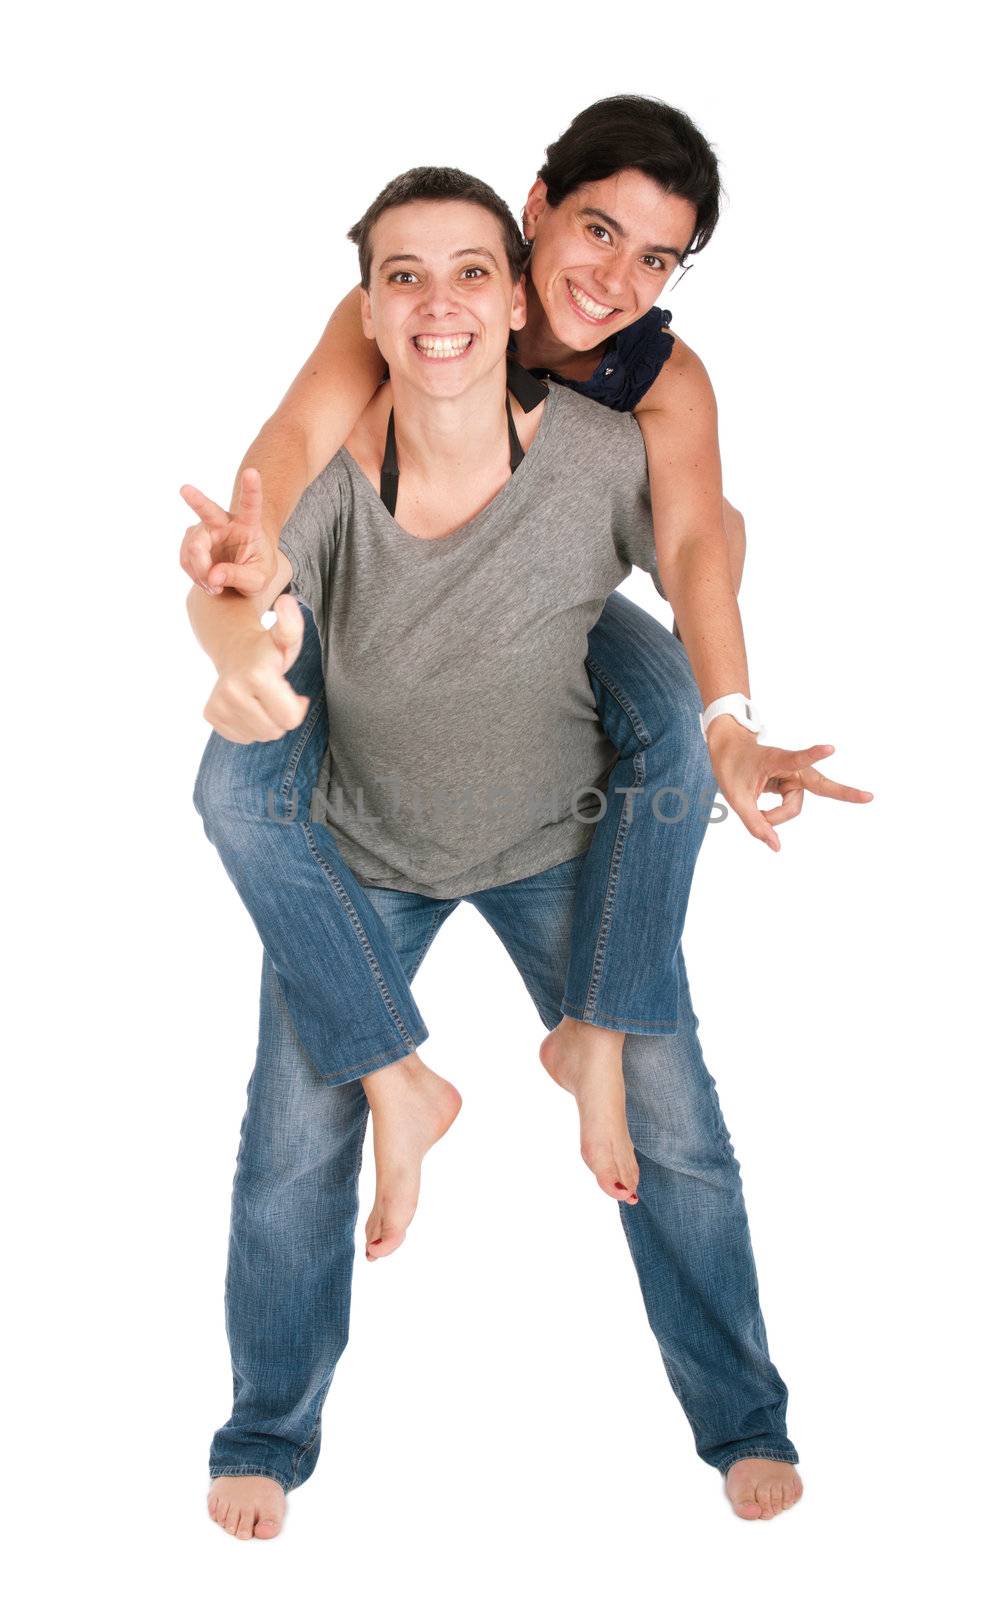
[738, 706]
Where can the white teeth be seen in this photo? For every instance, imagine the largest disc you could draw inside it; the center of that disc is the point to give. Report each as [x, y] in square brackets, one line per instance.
[442, 348]
[592, 308]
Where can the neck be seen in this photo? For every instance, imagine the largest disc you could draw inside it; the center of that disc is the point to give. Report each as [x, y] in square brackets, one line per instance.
[436, 436]
[537, 345]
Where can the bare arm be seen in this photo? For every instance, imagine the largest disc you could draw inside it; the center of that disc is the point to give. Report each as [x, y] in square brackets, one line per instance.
[223, 622]
[313, 421]
[252, 698]
[677, 418]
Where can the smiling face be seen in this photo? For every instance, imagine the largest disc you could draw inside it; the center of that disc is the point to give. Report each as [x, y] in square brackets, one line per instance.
[441, 301]
[602, 256]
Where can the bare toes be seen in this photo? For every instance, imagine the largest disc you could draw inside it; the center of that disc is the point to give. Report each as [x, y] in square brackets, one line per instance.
[383, 1241]
[378, 1248]
[629, 1175]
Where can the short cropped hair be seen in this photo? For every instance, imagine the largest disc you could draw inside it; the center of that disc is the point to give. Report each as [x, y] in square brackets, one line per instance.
[438, 183]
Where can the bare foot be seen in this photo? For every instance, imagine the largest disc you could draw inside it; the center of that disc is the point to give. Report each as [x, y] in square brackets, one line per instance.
[249, 1508]
[588, 1061]
[758, 1489]
[412, 1108]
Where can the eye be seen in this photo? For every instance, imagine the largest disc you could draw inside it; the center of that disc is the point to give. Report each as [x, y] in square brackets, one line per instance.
[596, 229]
[655, 263]
[480, 272]
[402, 276]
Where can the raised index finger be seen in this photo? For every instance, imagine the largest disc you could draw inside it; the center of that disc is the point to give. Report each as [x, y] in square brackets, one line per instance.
[205, 509]
[249, 499]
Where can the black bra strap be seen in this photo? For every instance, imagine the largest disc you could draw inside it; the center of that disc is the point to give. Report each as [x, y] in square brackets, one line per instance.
[527, 391]
[517, 454]
[389, 469]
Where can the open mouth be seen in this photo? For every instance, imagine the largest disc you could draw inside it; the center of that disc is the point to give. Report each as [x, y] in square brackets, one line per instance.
[443, 347]
[593, 310]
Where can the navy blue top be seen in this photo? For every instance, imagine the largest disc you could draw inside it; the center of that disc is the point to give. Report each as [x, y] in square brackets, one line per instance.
[631, 361]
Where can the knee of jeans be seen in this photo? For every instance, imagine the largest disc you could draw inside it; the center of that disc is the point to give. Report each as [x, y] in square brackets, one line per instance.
[231, 781]
[301, 1131]
[696, 1150]
[676, 752]
[212, 781]
[673, 1112]
[213, 798]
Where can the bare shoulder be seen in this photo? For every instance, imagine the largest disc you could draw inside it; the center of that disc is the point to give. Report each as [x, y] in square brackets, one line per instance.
[682, 384]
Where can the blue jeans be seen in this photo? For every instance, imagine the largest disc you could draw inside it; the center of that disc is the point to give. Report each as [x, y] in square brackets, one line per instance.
[295, 1198]
[345, 989]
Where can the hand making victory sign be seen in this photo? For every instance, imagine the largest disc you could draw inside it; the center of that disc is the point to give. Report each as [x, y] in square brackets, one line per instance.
[228, 550]
[252, 699]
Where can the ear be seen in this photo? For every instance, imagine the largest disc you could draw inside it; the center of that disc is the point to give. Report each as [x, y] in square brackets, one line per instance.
[366, 315]
[534, 206]
[519, 304]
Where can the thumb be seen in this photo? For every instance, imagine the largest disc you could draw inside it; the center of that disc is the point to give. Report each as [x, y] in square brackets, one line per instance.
[243, 577]
[289, 630]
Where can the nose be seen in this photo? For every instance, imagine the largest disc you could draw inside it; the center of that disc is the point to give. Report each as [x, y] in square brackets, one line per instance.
[613, 276]
[438, 302]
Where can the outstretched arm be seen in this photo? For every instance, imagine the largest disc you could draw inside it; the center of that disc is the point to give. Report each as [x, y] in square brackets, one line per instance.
[313, 421]
[252, 698]
[677, 418]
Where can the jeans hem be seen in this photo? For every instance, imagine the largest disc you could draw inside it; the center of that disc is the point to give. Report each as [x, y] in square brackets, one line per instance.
[724, 1466]
[253, 1470]
[374, 1063]
[603, 1019]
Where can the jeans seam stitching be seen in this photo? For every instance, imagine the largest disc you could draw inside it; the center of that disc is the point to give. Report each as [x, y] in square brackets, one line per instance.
[627, 705]
[606, 916]
[298, 750]
[361, 934]
[637, 1022]
[371, 1062]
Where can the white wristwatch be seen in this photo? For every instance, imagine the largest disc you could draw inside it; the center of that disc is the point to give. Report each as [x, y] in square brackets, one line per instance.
[737, 706]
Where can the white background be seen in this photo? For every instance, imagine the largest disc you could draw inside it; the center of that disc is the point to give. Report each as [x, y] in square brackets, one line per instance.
[181, 181]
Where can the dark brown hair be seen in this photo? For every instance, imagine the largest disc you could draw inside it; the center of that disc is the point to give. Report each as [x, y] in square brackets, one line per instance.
[438, 183]
[631, 130]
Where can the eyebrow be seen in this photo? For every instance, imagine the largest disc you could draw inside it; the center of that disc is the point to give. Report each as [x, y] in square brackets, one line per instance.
[474, 250]
[615, 227]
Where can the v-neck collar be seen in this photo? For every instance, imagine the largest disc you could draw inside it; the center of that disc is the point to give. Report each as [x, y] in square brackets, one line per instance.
[458, 535]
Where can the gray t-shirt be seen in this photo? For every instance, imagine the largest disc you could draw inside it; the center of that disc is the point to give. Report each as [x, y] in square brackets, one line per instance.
[463, 732]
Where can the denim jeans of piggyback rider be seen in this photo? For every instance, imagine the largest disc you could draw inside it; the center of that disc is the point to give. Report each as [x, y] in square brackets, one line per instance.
[345, 989]
[295, 1200]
